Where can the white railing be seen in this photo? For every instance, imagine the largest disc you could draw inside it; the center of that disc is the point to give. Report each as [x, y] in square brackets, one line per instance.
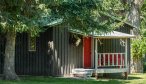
[111, 60]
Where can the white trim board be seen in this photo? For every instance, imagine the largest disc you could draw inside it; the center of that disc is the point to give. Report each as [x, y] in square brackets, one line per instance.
[118, 70]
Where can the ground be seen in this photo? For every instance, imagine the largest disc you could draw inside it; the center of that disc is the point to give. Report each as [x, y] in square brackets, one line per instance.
[133, 79]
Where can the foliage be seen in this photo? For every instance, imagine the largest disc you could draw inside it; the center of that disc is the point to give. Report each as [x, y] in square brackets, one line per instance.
[23, 16]
[143, 19]
[89, 15]
[138, 48]
[85, 15]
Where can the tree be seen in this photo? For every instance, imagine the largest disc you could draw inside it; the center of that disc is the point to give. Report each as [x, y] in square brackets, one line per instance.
[19, 16]
[31, 15]
[137, 18]
[90, 15]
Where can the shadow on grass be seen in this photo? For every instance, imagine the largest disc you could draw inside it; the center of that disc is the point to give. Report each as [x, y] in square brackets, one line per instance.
[133, 78]
[52, 80]
[120, 77]
[56, 80]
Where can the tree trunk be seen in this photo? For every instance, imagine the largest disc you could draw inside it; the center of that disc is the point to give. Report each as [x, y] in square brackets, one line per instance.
[9, 61]
[134, 14]
[137, 66]
[134, 19]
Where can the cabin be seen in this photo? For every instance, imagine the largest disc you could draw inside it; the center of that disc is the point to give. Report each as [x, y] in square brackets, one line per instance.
[103, 53]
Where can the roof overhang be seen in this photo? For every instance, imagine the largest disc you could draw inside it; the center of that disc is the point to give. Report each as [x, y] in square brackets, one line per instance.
[114, 34]
[55, 22]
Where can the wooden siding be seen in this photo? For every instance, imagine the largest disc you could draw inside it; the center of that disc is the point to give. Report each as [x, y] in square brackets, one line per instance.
[113, 45]
[33, 62]
[2, 49]
[66, 56]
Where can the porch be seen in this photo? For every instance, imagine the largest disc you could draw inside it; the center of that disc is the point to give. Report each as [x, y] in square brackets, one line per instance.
[106, 62]
[111, 62]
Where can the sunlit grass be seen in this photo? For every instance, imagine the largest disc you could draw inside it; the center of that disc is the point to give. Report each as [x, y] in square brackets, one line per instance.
[133, 79]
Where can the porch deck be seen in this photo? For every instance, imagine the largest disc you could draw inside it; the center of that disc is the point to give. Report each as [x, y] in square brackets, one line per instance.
[111, 70]
[111, 63]
[106, 63]
[101, 70]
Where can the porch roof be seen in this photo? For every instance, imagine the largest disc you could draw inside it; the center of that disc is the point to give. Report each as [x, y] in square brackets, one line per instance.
[114, 34]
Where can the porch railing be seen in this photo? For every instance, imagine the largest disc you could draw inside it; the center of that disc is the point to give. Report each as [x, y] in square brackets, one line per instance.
[111, 60]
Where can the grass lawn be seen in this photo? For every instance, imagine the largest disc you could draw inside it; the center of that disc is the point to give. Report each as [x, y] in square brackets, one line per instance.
[133, 79]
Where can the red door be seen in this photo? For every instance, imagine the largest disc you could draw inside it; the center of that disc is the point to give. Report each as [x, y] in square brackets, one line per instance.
[87, 52]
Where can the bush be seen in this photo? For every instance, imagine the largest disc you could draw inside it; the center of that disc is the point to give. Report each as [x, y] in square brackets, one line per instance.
[138, 48]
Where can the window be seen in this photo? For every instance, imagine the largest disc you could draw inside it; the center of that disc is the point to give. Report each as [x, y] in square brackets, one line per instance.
[31, 43]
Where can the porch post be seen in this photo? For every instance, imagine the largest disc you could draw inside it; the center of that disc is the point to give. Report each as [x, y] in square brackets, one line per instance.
[92, 52]
[126, 52]
[126, 73]
[96, 57]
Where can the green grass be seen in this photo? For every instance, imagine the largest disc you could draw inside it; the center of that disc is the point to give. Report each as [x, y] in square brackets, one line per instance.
[133, 79]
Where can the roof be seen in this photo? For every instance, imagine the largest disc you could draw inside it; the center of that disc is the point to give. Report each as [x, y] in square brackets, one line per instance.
[50, 21]
[114, 34]
[55, 22]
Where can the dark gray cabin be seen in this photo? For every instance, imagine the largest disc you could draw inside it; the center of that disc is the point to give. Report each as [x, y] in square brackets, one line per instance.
[65, 57]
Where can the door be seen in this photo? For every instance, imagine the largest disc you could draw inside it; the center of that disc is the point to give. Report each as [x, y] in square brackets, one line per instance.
[87, 52]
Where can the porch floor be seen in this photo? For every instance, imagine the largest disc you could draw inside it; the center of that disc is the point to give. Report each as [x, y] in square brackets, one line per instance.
[111, 70]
